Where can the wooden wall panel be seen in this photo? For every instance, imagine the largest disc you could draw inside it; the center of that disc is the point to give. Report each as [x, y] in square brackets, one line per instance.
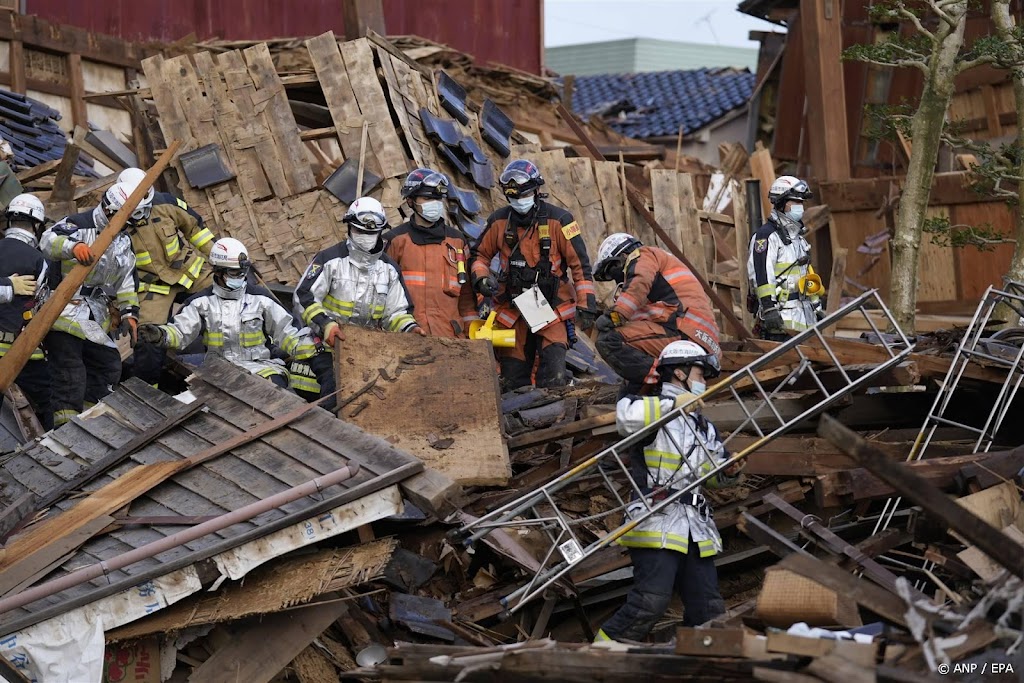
[976, 270]
[789, 112]
[936, 274]
[852, 229]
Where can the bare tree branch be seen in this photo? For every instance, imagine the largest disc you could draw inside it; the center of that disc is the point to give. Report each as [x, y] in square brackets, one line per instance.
[916, 63]
[914, 19]
[971, 63]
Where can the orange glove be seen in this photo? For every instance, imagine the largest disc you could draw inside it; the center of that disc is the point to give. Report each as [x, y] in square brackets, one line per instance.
[83, 254]
[332, 334]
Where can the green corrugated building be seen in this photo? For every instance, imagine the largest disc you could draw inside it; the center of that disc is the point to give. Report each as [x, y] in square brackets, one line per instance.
[636, 55]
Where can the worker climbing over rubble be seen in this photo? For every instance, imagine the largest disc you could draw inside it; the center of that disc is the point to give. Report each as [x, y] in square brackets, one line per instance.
[171, 249]
[432, 256]
[84, 360]
[660, 301]
[24, 278]
[674, 549]
[779, 261]
[544, 278]
[353, 282]
[238, 321]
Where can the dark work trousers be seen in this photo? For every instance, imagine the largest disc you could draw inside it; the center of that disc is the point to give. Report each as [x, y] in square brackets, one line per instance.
[320, 367]
[628, 362]
[656, 574]
[280, 381]
[82, 373]
[34, 382]
[551, 372]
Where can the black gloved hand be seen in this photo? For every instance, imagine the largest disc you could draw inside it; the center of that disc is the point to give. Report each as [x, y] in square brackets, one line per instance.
[152, 334]
[487, 285]
[587, 318]
[820, 313]
[773, 321]
[604, 323]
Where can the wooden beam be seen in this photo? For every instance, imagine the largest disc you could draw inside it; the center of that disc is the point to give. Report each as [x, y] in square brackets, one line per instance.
[33, 31]
[79, 117]
[986, 537]
[835, 283]
[358, 16]
[869, 194]
[17, 74]
[317, 133]
[821, 24]
[763, 169]
[38, 171]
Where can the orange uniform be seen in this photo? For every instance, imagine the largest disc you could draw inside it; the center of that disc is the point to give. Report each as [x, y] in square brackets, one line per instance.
[429, 259]
[522, 243]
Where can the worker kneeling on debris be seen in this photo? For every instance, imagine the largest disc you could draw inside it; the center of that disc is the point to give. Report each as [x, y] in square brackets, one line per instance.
[660, 302]
[238, 321]
[673, 550]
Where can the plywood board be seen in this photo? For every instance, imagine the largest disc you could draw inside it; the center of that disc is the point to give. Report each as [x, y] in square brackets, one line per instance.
[447, 389]
[851, 229]
[976, 270]
[936, 273]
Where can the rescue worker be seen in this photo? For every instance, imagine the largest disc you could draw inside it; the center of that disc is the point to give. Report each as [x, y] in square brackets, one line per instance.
[353, 282]
[541, 250]
[171, 248]
[432, 256]
[23, 279]
[84, 360]
[779, 257]
[238, 321]
[660, 302]
[674, 549]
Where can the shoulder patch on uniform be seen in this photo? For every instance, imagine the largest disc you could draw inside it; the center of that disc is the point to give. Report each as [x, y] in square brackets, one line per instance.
[181, 203]
[571, 230]
[761, 245]
[314, 270]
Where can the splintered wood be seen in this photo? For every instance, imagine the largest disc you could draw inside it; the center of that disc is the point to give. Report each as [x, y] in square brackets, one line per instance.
[434, 398]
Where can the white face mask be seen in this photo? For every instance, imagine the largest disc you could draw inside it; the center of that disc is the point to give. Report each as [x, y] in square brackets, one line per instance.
[364, 241]
[796, 212]
[432, 210]
[234, 283]
[522, 205]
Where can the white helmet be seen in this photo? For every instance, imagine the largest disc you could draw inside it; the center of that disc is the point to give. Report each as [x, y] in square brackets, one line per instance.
[787, 188]
[686, 352]
[133, 176]
[26, 206]
[116, 197]
[367, 214]
[227, 252]
[612, 254]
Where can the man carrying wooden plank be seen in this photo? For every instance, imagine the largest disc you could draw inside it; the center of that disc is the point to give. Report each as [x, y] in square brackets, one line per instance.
[23, 278]
[540, 247]
[432, 256]
[171, 246]
[661, 301]
[779, 264]
[84, 361]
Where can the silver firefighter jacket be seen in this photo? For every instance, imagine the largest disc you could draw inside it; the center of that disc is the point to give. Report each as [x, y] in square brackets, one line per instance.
[240, 326]
[113, 277]
[352, 286]
[774, 272]
[702, 451]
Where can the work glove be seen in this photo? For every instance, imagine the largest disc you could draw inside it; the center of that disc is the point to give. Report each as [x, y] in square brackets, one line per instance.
[820, 313]
[332, 334]
[486, 285]
[24, 285]
[685, 398]
[609, 321]
[418, 330]
[129, 326]
[587, 318]
[735, 468]
[152, 334]
[83, 254]
[773, 321]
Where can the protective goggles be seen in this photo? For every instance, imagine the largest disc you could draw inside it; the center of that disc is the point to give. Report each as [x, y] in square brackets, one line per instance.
[514, 176]
[434, 181]
[368, 220]
[709, 364]
[140, 214]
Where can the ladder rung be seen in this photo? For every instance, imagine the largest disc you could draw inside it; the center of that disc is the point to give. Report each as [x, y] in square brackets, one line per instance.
[951, 423]
[989, 357]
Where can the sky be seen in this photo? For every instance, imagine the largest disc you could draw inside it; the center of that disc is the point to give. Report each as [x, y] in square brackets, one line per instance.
[717, 22]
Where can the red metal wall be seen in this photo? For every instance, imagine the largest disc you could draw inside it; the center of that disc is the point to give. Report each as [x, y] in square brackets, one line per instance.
[508, 32]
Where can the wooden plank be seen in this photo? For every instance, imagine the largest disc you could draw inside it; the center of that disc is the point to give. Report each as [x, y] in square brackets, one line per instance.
[665, 192]
[742, 234]
[988, 538]
[17, 60]
[836, 282]
[37, 171]
[995, 128]
[77, 83]
[822, 35]
[34, 568]
[246, 656]
[936, 272]
[763, 169]
[690, 225]
[337, 89]
[384, 140]
[277, 115]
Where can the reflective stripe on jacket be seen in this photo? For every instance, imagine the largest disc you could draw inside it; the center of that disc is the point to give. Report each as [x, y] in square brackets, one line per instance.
[172, 247]
[774, 273]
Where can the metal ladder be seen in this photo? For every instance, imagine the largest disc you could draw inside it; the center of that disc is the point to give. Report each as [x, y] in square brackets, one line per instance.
[539, 509]
[972, 349]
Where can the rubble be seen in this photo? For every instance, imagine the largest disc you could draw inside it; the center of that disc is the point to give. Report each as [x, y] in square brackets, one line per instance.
[361, 579]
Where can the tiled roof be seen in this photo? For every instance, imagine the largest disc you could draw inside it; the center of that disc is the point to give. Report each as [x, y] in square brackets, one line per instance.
[32, 131]
[647, 105]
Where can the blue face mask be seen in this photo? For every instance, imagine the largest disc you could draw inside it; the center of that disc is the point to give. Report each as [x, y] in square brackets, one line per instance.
[698, 388]
[796, 212]
[522, 205]
[234, 283]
